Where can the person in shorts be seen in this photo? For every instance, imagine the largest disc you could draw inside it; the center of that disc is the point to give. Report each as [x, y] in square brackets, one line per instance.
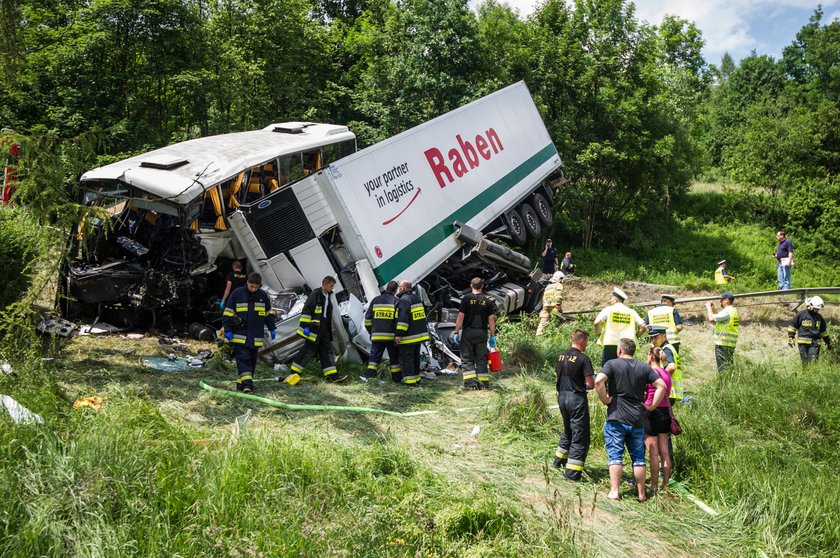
[621, 385]
[657, 424]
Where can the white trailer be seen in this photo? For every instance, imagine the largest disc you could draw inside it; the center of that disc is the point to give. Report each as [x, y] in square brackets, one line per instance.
[402, 208]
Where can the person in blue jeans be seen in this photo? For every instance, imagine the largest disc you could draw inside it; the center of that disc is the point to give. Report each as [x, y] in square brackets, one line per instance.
[784, 255]
[622, 387]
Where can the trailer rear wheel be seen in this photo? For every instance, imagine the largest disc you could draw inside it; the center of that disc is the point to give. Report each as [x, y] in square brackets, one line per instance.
[532, 222]
[543, 209]
[516, 228]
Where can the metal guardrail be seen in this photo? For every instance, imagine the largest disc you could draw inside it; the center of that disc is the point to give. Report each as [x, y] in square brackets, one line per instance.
[804, 292]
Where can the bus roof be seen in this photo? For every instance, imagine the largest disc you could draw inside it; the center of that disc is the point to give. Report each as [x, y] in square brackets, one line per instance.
[213, 159]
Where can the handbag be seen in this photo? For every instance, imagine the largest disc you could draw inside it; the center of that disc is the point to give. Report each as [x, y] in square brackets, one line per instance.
[676, 429]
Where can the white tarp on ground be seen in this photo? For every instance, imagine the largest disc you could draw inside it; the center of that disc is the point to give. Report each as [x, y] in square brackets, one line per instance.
[19, 413]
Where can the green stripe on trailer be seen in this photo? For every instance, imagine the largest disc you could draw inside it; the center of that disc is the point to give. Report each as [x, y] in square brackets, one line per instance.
[427, 241]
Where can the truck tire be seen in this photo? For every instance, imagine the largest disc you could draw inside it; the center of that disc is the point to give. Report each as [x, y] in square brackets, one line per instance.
[516, 228]
[544, 210]
[532, 223]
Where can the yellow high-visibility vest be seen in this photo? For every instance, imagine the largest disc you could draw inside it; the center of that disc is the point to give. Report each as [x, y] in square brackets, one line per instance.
[719, 278]
[621, 323]
[664, 316]
[726, 333]
[677, 388]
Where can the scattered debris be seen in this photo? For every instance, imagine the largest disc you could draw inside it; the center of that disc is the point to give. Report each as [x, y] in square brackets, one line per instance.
[134, 336]
[98, 328]
[196, 363]
[94, 402]
[165, 364]
[475, 431]
[57, 326]
[241, 423]
[204, 354]
[202, 332]
[7, 368]
[19, 413]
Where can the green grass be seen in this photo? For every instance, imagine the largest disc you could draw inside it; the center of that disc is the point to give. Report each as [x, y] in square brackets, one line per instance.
[763, 442]
[709, 226]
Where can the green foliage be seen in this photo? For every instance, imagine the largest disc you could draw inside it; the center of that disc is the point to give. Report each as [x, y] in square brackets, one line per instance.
[20, 248]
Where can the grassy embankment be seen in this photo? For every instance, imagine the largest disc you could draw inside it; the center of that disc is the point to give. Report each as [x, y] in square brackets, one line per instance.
[157, 471]
[708, 226]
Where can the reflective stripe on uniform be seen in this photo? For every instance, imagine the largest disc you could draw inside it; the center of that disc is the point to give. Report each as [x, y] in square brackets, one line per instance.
[329, 370]
[229, 312]
[411, 379]
[409, 339]
[237, 338]
[470, 376]
[310, 337]
[574, 465]
[561, 453]
[382, 337]
[296, 368]
[243, 378]
[402, 326]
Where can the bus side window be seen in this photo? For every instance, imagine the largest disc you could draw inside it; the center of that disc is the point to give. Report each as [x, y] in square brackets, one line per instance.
[295, 167]
[311, 161]
[330, 153]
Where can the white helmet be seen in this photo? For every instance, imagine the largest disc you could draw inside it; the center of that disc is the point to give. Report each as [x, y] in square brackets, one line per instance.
[815, 302]
[558, 276]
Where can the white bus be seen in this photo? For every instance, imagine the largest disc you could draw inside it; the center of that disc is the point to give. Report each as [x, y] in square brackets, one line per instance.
[162, 226]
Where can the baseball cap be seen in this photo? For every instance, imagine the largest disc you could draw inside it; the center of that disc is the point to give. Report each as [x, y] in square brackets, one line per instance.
[728, 295]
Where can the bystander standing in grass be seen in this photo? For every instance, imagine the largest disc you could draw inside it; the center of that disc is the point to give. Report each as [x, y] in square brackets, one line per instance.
[657, 424]
[784, 255]
[621, 386]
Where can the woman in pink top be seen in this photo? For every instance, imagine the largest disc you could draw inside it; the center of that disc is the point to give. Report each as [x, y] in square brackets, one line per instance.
[658, 424]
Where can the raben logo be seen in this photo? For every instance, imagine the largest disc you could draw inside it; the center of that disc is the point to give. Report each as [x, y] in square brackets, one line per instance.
[263, 204]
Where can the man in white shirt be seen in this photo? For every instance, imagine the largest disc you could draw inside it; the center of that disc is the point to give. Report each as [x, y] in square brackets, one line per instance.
[618, 322]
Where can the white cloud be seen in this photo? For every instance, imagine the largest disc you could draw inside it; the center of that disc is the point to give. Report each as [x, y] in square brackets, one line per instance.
[727, 25]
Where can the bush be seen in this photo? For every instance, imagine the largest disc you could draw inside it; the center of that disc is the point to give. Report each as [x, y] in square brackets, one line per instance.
[22, 242]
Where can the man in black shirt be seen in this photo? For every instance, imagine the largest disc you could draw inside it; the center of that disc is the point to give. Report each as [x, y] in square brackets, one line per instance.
[476, 317]
[235, 279]
[622, 386]
[574, 377]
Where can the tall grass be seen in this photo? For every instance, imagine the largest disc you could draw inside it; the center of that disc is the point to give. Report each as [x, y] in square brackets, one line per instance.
[130, 481]
[764, 441]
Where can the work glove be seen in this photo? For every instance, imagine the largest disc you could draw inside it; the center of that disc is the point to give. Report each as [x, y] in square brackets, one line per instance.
[272, 333]
[790, 342]
[229, 335]
[456, 339]
[306, 331]
[492, 341]
[221, 305]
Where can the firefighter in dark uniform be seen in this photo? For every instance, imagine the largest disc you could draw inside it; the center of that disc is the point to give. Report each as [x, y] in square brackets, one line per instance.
[381, 323]
[574, 377]
[315, 327]
[411, 332]
[807, 329]
[476, 318]
[247, 313]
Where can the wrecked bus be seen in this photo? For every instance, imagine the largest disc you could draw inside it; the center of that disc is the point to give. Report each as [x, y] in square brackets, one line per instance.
[428, 205]
[158, 227]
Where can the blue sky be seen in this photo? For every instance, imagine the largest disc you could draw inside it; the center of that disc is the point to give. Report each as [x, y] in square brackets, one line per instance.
[734, 26]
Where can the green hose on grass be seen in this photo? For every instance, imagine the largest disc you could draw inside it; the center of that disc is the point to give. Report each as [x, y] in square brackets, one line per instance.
[291, 407]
